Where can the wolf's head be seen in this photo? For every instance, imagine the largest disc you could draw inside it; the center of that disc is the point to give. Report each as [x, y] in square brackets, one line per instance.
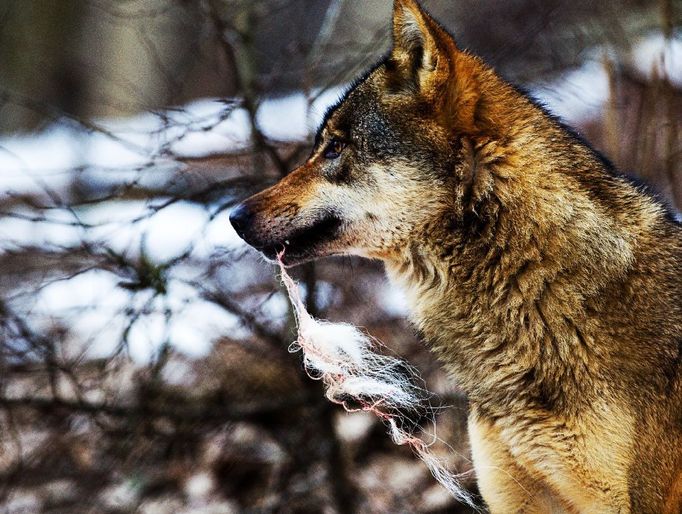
[387, 161]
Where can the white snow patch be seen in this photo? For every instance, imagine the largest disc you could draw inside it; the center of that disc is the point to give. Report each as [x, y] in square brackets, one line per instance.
[208, 126]
[146, 337]
[121, 496]
[96, 310]
[580, 94]
[162, 235]
[23, 501]
[178, 372]
[24, 229]
[173, 230]
[294, 117]
[657, 56]
[217, 234]
[30, 163]
[275, 307]
[82, 291]
[90, 304]
[353, 427]
[200, 486]
[194, 330]
[393, 301]
[139, 147]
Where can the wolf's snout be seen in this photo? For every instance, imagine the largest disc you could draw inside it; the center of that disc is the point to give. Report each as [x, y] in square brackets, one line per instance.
[242, 219]
[247, 222]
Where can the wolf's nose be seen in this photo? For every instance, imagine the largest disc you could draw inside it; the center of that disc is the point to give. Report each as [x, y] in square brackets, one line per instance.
[241, 218]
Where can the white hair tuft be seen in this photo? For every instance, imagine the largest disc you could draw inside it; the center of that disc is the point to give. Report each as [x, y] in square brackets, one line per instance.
[358, 378]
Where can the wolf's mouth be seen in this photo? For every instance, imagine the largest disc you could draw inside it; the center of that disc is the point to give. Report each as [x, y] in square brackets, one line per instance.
[301, 245]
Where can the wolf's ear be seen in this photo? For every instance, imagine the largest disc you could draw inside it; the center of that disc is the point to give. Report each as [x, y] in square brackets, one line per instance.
[422, 49]
[426, 60]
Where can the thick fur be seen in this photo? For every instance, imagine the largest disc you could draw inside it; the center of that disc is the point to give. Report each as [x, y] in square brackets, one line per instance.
[549, 286]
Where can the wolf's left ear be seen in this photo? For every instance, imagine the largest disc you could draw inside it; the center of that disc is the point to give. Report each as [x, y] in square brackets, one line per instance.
[422, 49]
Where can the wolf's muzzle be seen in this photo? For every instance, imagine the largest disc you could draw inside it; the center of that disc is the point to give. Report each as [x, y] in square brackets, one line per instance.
[300, 241]
[244, 220]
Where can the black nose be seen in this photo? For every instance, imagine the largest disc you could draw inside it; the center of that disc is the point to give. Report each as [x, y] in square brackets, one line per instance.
[241, 219]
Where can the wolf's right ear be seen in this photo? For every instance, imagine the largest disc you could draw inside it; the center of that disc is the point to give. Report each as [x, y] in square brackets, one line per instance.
[422, 49]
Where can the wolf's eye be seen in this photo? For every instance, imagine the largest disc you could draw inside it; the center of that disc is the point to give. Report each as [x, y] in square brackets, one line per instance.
[334, 149]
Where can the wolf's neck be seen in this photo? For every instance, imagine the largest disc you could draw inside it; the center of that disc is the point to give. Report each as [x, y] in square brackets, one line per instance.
[503, 301]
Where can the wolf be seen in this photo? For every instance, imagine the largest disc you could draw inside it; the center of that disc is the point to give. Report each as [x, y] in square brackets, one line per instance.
[548, 284]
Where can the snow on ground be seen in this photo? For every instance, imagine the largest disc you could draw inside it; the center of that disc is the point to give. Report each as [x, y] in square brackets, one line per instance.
[92, 304]
[96, 310]
[116, 151]
[29, 163]
[580, 94]
[656, 56]
[20, 231]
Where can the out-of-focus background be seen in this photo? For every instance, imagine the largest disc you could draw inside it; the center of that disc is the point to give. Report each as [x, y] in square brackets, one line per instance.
[143, 359]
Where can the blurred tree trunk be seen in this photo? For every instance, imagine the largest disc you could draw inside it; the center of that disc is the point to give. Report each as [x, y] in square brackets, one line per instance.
[38, 42]
[136, 51]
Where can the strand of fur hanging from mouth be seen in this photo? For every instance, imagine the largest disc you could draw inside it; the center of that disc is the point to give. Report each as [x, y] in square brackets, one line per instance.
[358, 378]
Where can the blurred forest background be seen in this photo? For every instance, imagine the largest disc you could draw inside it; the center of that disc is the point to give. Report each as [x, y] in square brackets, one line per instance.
[143, 349]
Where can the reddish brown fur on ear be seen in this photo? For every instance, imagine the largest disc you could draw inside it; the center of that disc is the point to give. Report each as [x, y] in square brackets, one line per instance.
[425, 59]
[421, 48]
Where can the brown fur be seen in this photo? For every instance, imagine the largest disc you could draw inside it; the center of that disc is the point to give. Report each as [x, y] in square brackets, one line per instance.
[549, 286]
